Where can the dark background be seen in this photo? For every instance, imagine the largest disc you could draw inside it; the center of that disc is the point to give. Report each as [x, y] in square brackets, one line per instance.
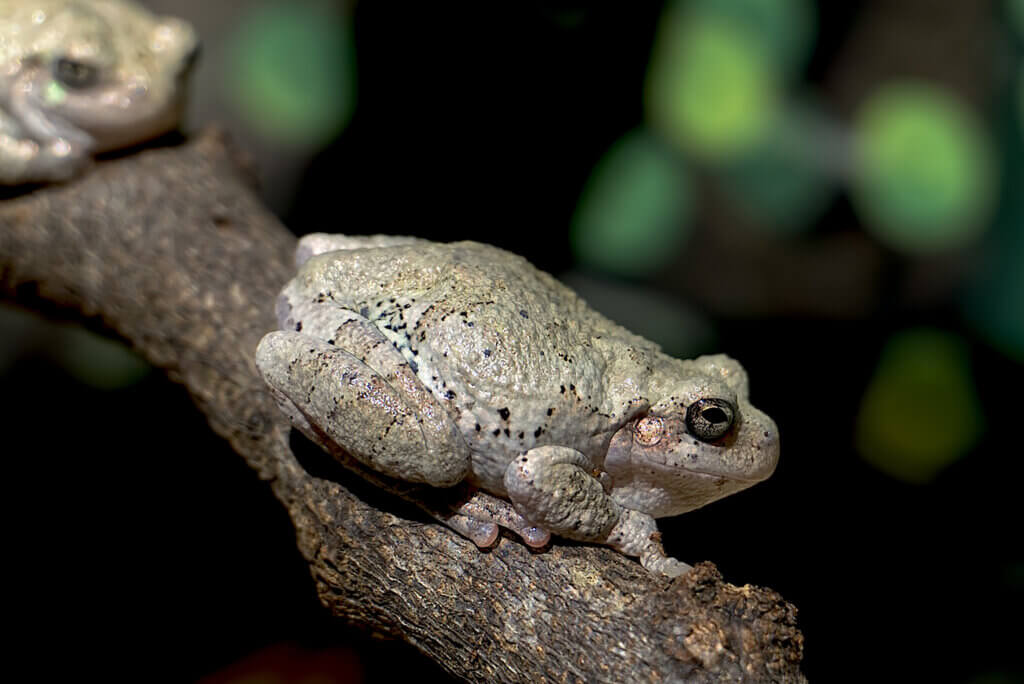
[141, 547]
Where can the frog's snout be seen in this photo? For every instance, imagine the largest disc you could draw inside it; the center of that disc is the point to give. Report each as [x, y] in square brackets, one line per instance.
[762, 444]
[188, 62]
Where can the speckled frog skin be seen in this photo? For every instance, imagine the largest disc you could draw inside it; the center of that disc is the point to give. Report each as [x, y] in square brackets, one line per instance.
[449, 363]
[78, 77]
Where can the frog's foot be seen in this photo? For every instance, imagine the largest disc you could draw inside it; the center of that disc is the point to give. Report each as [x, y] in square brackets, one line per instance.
[478, 516]
[485, 508]
[636, 534]
[665, 565]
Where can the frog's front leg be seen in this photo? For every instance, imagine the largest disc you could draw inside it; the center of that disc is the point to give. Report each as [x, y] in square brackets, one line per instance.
[28, 161]
[386, 420]
[555, 488]
[34, 146]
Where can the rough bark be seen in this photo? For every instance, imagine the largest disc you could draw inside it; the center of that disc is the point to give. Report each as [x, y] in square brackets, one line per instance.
[172, 250]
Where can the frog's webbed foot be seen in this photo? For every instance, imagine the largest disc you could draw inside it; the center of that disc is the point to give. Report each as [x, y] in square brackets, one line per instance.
[636, 534]
[478, 517]
[665, 565]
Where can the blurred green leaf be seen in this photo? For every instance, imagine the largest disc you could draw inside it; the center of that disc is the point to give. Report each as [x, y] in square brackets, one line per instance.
[920, 411]
[1015, 10]
[18, 329]
[995, 302]
[1020, 98]
[783, 183]
[709, 88]
[923, 175]
[994, 299]
[290, 71]
[784, 29]
[634, 212]
[97, 361]
[90, 358]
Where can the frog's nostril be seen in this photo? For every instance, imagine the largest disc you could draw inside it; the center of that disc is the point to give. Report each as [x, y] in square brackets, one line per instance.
[769, 441]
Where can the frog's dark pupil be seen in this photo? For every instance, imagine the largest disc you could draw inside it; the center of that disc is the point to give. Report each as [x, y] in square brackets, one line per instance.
[75, 74]
[714, 415]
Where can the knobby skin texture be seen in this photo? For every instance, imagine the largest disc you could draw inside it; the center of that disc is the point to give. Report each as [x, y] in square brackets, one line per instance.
[440, 363]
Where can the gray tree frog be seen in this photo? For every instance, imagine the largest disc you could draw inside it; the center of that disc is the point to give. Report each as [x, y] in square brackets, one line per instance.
[449, 363]
[78, 77]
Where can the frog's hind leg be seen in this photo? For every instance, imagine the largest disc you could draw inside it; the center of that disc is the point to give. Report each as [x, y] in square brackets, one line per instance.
[379, 420]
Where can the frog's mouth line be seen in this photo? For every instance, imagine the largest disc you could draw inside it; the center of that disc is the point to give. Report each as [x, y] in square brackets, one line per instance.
[729, 478]
[680, 462]
[758, 474]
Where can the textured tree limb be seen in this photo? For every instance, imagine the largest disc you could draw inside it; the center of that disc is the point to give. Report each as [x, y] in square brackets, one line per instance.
[173, 250]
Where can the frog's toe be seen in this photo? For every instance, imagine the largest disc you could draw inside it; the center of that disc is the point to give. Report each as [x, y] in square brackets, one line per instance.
[665, 565]
[535, 537]
[481, 532]
[487, 509]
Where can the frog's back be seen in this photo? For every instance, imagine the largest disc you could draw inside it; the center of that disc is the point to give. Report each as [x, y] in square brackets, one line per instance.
[516, 357]
[480, 304]
[449, 275]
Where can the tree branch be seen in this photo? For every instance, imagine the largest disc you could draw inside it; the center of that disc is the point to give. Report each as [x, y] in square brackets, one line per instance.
[173, 250]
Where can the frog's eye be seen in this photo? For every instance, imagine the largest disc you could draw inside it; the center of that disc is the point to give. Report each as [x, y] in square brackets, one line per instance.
[649, 431]
[709, 419]
[75, 75]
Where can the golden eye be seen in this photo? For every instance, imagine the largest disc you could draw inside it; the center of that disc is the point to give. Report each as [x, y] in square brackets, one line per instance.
[649, 431]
